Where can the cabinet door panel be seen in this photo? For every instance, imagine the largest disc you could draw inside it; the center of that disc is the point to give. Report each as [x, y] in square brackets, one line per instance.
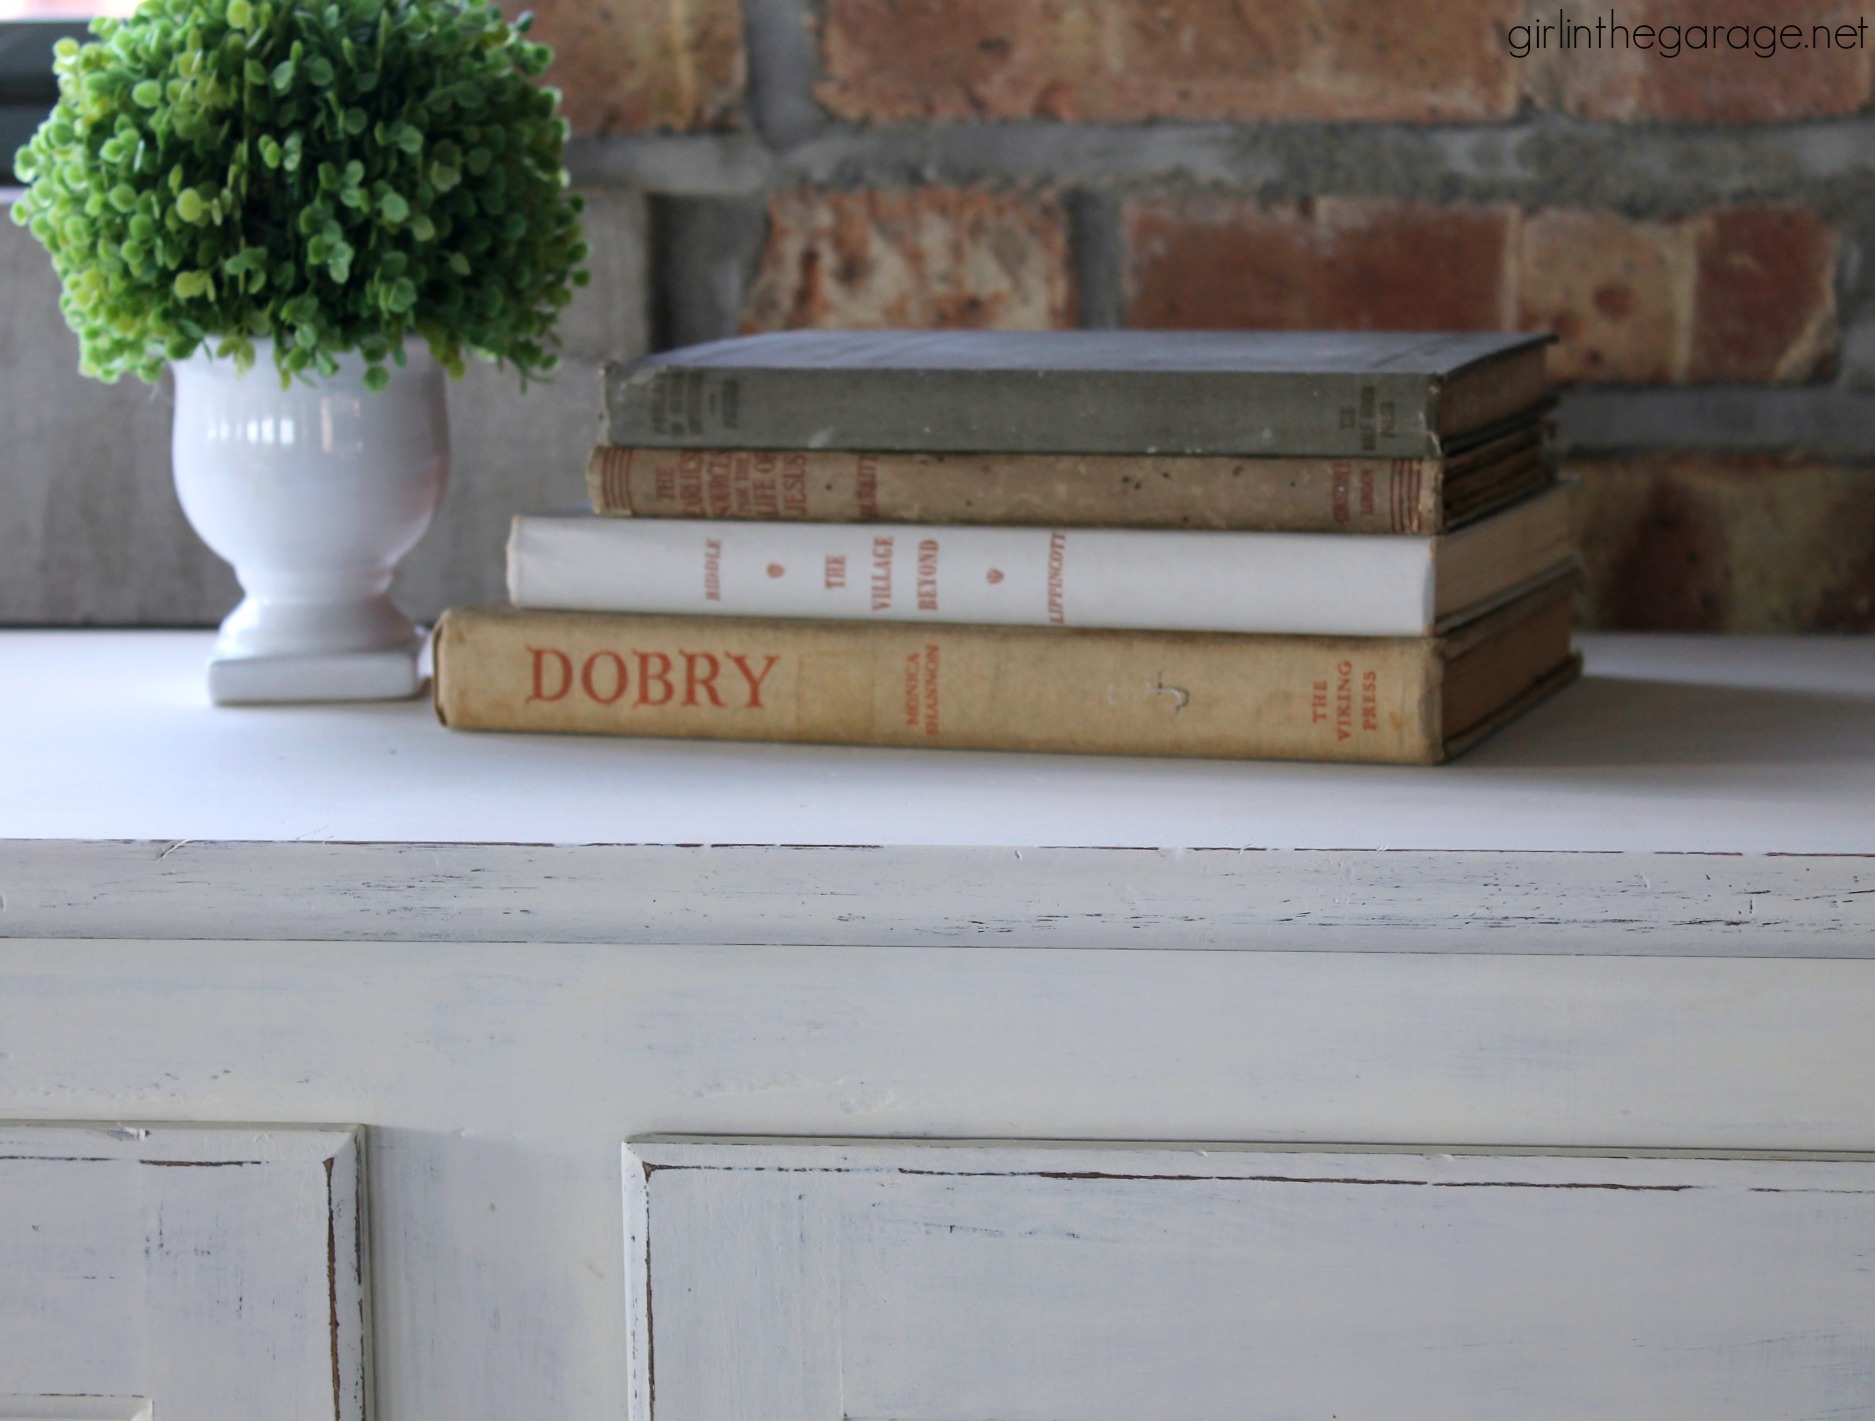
[200, 1274]
[919, 1281]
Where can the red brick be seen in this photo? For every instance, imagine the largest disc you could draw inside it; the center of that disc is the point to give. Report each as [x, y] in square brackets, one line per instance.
[1733, 294]
[1617, 294]
[1200, 261]
[1737, 293]
[1124, 60]
[635, 65]
[1710, 85]
[1699, 542]
[1765, 299]
[935, 257]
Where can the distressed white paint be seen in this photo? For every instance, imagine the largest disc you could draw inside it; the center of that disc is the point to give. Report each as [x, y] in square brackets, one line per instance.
[1670, 745]
[536, 967]
[74, 1408]
[216, 1274]
[815, 1281]
[1208, 899]
[500, 1078]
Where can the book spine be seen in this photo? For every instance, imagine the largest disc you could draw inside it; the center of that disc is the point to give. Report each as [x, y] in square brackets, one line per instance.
[1230, 413]
[1060, 490]
[1302, 583]
[985, 688]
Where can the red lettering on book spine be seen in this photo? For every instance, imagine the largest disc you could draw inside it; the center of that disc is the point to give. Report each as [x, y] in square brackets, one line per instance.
[881, 574]
[931, 688]
[928, 575]
[660, 677]
[690, 467]
[866, 475]
[794, 486]
[565, 665]
[1356, 701]
[1057, 569]
[720, 483]
[754, 679]
[694, 682]
[589, 679]
[758, 475]
[606, 678]
[921, 689]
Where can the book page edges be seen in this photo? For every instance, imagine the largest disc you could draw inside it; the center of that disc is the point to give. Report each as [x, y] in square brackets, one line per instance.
[1498, 667]
[1539, 691]
[1490, 390]
[1491, 560]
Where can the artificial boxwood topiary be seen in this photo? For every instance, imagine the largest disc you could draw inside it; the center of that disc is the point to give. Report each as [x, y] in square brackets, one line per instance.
[337, 176]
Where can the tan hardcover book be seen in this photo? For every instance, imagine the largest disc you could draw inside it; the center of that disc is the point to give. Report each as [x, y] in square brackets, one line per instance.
[1406, 700]
[1302, 495]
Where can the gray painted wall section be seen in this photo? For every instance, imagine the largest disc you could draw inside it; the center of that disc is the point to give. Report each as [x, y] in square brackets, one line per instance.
[90, 531]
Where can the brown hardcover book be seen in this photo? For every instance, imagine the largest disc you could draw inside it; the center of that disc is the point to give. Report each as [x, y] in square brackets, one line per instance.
[1406, 700]
[1302, 495]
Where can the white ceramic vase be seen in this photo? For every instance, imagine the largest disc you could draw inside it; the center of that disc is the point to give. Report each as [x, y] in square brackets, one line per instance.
[313, 493]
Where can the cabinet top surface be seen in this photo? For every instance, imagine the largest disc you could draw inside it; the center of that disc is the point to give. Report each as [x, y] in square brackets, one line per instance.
[1668, 744]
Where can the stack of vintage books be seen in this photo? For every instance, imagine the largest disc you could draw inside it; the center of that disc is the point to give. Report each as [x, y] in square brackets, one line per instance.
[1332, 546]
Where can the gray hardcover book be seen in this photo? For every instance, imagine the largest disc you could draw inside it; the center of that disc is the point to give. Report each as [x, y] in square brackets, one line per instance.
[1322, 393]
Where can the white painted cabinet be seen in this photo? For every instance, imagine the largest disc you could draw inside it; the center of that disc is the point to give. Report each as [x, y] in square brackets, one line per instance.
[1538, 1085]
[810, 1281]
[221, 1271]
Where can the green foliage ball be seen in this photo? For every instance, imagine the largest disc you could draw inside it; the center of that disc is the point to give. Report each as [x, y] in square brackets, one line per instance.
[335, 176]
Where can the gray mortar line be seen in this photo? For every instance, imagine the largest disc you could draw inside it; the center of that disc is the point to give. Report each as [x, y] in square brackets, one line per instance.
[1831, 423]
[784, 61]
[1645, 169]
[1099, 249]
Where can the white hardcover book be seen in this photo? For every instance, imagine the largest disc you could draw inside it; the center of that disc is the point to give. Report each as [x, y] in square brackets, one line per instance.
[1331, 584]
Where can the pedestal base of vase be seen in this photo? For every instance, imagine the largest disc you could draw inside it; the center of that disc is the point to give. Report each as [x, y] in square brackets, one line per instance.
[313, 492]
[395, 674]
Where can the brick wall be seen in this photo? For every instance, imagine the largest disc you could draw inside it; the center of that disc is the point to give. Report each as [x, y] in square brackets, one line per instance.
[1693, 229]
[1698, 231]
